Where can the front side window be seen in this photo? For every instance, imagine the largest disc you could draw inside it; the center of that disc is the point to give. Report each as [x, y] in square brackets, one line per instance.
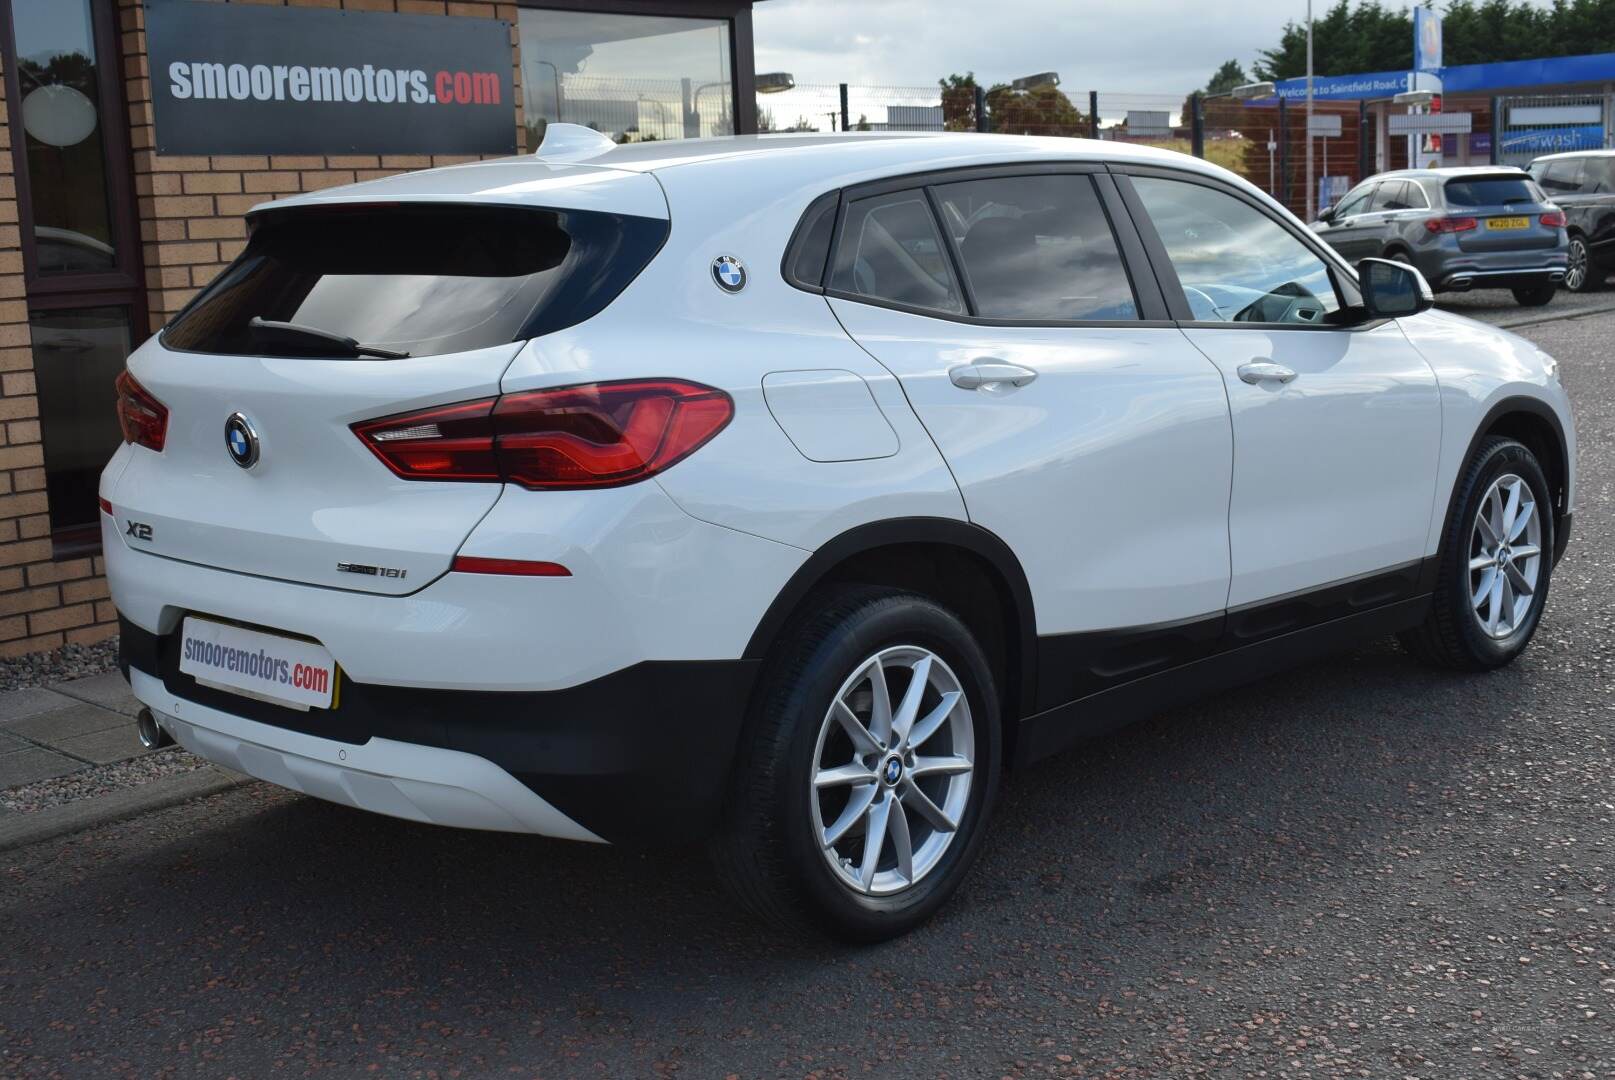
[889, 250]
[637, 78]
[1356, 203]
[1599, 179]
[1234, 262]
[1391, 195]
[1037, 248]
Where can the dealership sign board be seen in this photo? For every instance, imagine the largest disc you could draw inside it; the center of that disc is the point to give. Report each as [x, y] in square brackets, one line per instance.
[247, 79]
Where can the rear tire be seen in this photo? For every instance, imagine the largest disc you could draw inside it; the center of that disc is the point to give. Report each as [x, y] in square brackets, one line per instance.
[790, 776]
[1582, 275]
[1536, 296]
[1469, 635]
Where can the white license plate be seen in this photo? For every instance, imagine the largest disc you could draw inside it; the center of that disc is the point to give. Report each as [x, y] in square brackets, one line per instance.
[279, 669]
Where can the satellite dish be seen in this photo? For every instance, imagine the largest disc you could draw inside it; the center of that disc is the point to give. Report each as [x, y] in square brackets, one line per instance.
[58, 115]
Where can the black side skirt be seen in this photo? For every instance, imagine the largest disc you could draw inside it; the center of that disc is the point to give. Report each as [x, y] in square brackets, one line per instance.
[1056, 729]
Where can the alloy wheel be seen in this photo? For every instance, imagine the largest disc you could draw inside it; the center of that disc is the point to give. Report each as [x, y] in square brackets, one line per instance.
[892, 770]
[1576, 271]
[1505, 556]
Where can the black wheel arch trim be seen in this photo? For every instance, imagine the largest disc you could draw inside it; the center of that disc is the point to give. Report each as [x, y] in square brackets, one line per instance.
[893, 532]
[1520, 403]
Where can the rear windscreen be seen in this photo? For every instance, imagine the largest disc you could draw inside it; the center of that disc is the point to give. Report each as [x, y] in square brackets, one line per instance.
[1491, 191]
[422, 279]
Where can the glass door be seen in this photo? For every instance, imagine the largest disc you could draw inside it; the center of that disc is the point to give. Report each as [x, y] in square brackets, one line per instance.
[81, 259]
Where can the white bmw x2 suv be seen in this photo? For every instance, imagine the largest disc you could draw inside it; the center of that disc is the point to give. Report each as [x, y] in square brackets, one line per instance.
[781, 492]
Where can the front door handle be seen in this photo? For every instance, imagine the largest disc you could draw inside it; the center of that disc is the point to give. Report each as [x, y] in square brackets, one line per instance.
[1261, 371]
[990, 375]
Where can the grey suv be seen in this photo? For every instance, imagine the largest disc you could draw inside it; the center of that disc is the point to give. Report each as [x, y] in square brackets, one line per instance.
[1468, 228]
[1583, 186]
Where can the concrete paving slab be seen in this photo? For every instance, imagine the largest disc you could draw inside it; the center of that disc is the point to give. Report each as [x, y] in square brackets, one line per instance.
[114, 744]
[18, 704]
[110, 691]
[9, 742]
[33, 763]
[78, 718]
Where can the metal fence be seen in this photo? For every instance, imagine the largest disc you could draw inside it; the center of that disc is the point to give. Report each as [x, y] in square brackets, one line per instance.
[1265, 141]
[1528, 127]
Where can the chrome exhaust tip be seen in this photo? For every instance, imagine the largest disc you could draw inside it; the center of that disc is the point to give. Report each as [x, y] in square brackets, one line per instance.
[153, 736]
[1461, 284]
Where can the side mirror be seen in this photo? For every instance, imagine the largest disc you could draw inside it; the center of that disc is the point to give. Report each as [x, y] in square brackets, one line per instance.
[1326, 215]
[1392, 290]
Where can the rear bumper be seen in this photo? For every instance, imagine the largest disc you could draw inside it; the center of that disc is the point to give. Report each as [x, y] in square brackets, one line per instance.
[1461, 280]
[1449, 268]
[641, 756]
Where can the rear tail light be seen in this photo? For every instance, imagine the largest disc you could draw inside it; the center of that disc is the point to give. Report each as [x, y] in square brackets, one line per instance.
[1451, 224]
[591, 436]
[1553, 219]
[143, 418]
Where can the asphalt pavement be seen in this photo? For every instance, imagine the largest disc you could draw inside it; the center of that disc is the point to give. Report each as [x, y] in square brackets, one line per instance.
[1363, 868]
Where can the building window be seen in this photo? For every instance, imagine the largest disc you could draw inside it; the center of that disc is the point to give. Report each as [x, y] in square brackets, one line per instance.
[635, 78]
[66, 158]
[78, 352]
[75, 204]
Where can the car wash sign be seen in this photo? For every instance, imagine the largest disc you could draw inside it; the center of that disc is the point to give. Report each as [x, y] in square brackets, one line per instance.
[247, 79]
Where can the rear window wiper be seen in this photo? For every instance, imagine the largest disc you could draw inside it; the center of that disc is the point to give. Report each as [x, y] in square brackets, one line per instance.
[313, 339]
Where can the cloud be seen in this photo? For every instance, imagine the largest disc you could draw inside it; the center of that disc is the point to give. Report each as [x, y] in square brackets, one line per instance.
[1165, 47]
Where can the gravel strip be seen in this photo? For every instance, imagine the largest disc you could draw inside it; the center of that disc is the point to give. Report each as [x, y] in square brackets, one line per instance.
[97, 780]
[58, 665]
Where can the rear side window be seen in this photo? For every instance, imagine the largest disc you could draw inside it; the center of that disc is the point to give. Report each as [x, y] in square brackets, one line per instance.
[890, 250]
[422, 280]
[1490, 191]
[810, 247]
[1562, 175]
[1037, 248]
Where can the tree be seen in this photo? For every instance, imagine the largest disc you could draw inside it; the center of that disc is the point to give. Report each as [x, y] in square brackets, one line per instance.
[1043, 111]
[1224, 79]
[1370, 37]
[959, 102]
[1230, 75]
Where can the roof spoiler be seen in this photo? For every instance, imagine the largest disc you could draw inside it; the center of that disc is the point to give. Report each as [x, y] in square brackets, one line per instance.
[572, 142]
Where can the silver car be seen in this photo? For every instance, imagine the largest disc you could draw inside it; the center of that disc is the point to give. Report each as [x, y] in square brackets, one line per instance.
[1464, 228]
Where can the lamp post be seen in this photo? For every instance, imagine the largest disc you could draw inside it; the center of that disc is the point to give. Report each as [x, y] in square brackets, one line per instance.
[557, 73]
[769, 82]
[1310, 193]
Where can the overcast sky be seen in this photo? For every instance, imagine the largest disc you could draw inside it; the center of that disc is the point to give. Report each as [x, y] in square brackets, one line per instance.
[1148, 46]
[1151, 46]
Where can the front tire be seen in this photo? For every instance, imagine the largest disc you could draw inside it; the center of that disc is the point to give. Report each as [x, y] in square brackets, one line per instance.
[1496, 562]
[851, 817]
[1535, 296]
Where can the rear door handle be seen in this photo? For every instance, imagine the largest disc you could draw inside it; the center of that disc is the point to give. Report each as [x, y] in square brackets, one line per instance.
[1261, 371]
[990, 375]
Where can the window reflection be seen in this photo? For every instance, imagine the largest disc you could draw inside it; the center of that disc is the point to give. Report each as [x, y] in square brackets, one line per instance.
[77, 355]
[67, 174]
[637, 78]
[1235, 263]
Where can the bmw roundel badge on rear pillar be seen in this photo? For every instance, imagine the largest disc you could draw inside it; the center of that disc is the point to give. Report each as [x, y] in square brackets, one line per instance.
[241, 441]
[729, 273]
